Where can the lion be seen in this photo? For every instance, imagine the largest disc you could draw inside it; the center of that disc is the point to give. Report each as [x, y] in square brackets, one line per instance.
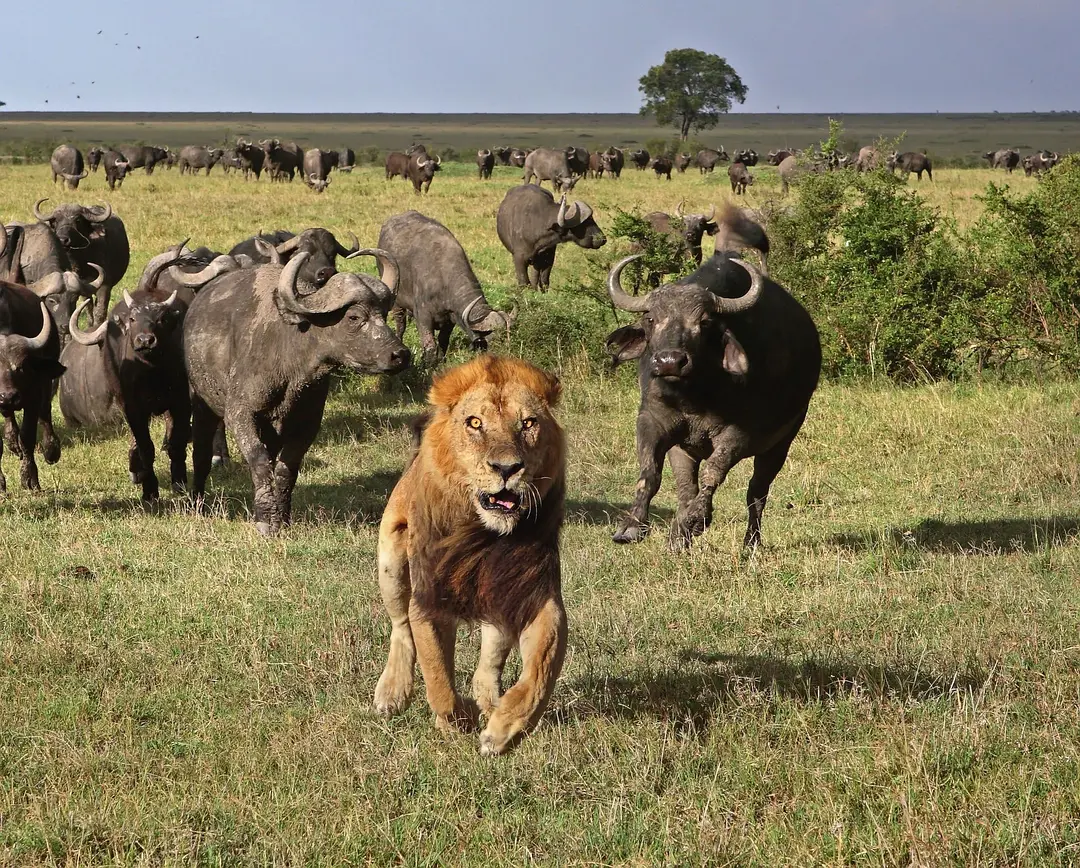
[471, 533]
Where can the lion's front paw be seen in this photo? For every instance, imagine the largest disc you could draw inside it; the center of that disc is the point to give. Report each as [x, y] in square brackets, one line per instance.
[630, 530]
[393, 693]
[501, 734]
[464, 718]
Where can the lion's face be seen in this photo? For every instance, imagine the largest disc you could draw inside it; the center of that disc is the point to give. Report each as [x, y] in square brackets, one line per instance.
[505, 444]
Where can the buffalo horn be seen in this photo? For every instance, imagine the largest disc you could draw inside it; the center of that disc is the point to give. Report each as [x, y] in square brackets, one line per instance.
[712, 213]
[347, 252]
[468, 310]
[220, 265]
[387, 264]
[289, 245]
[268, 250]
[3, 239]
[728, 306]
[619, 298]
[37, 210]
[678, 209]
[128, 300]
[421, 163]
[68, 177]
[38, 343]
[94, 217]
[87, 339]
[561, 219]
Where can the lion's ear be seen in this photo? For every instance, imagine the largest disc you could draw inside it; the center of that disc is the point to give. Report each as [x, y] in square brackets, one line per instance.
[553, 391]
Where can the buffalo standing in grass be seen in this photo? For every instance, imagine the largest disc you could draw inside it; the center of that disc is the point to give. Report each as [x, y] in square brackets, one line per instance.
[1006, 158]
[281, 159]
[259, 351]
[662, 166]
[549, 164]
[775, 158]
[278, 248]
[596, 165]
[502, 154]
[687, 230]
[422, 168]
[867, 160]
[707, 158]
[578, 160]
[397, 163]
[909, 162]
[29, 362]
[727, 363]
[740, 178]
[317, 167]
[93, 158]
[531, 226]
[195, 157]
[346, 160]
[116, 169]
[251, 158]
[517, 158]
[640, 158]
[144, 156]
[1036, 164]
[437, 286]
[485, 164]
[683, 162]
[747, 156]
[614, 160]
[67, 165]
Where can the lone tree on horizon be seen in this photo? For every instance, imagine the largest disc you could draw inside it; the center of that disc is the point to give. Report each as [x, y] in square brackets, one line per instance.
[690, 90]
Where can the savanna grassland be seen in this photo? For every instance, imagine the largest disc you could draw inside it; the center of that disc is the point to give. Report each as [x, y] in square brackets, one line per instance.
[894, 678]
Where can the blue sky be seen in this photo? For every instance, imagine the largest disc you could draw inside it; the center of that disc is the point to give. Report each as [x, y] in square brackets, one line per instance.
[534, 56]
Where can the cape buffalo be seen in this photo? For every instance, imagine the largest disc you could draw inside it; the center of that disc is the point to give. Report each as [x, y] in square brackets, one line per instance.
[748, 157]
[867, 160]
[662, 166]
[686, 229]
[485, 163]
[346, 160]
[93, 158]
[1036, 164]
[436, 285]
[259, 352]
[67, 165]
[596, 165]
[517, 158]
[578, 160]
[909, 162]
[614, 160]
[251, 158]
[502, 154]
[281, 159]
[682, 162]
[727, 363]
[740, 178]
[192, 158]
[116, 169]
[397, 164]
[789, 171]
[1006, 158]
[707, 158]
[144, 156]
[320, 245]
[29, 362]
[230, 159]
[775, 158]
[317, 167]
[91, 236]
[531, 226]
[422, 168]
[549, 164]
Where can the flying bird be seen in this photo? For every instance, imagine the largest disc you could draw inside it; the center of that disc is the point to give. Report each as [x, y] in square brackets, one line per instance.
[99, 33]
[139, 47]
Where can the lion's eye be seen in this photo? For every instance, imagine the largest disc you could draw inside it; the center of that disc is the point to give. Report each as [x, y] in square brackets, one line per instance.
[526, 424]
[474, 423]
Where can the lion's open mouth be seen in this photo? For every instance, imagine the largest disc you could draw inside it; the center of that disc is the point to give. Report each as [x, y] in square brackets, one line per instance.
[501, 501]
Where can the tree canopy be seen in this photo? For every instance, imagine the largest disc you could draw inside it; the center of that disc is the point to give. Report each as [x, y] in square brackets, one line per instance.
[690, 90]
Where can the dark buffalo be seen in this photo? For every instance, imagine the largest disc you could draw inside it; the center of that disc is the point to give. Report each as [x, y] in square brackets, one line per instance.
[251, 158]
[93, 158]
[142, 360]
[259, 352]
[437, 286]
[116, 168]
[662, 166]
[740, 178]
[144, 156]
[29, 362]
[397, 163]
[1006, 158]
[748, 157]
[422, 168]
[549, 164]
[909, 162]
[578, 160]
[278, 248]
[707, 158]
[1036, 164]
[683, 162]
[517, 158]
[91, 236]
[195, 157]
[640, 158]
[531, 226]
[67, 165]
[485, 163]
[502, 154]
[614, 160]
[230, 159]
[346, 160]
[281, 159]
[317, 167]
[775, 158]
[727, 363]
[686, 229]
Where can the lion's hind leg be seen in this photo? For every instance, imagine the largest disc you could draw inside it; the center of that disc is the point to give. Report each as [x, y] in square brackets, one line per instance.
[394, 690]
[495, 647]
[543, 647]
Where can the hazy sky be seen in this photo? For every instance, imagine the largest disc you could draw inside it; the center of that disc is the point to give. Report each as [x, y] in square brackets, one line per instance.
[532, 56]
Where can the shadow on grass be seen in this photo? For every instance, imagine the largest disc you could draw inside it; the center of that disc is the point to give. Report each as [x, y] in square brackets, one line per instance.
[973, 537]
[598, 513]
[706, 681]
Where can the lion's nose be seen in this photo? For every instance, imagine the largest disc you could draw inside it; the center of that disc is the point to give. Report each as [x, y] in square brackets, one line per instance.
[506, 469]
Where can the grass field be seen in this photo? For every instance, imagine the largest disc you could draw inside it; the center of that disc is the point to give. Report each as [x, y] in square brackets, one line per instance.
[893, 679]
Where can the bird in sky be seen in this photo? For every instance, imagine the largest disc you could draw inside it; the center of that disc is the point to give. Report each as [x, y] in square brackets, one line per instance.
[99, 33]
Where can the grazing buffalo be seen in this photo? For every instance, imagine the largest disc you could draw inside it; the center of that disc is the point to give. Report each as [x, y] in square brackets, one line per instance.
[67, 165]
[144, 156]
[683, 162]
[346, 160]
[93, 158]
[251, 158]
[502, 154]
[909, 162]
[578, 160]
[91, 236]
[437, 286]
[517, 158]
[614, 160]
[259, 351]
[549, 164]
[740, 178]
[281, 159]
[195, 157]
[685, 229]
[775, 158]
[278, 248]
[662, 166]
[116, 169]
[531, 226]
[397, 163]
[142, 362]
[727, 363]
[29, 362]
[1006, 158]
[707, 158]
[1036, 164]
[748, 157]
[422, 168]
[485, 164]
[317, 167]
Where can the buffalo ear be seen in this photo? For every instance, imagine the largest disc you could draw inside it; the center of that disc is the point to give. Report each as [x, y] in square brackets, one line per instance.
[735, 361]
[627, 343]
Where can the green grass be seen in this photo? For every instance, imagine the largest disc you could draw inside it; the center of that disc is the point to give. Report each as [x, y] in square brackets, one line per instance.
[893, 679]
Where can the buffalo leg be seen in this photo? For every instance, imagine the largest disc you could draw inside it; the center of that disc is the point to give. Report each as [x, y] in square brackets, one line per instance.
[28, 472]
[3, 479]
[696, 517]
[11, 434]
[179, 434]
[50, 444]
[766, 467]
[221, 446]
[286, 469]
[141, 455]
[204, 425]
[685, 469]
[261, 464]
[427, 340]
[521, 270]
[542, 262]
[444, 340]
[651, 453]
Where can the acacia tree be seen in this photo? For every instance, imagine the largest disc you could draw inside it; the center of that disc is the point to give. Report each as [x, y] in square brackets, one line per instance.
[690, 90]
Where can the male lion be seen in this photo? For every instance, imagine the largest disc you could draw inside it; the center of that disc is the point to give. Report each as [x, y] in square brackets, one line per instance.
[471, 532]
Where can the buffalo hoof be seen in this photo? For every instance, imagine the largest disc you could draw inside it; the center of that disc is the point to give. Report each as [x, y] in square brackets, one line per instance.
[685, 529]
[51, 451]
[631, 531]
